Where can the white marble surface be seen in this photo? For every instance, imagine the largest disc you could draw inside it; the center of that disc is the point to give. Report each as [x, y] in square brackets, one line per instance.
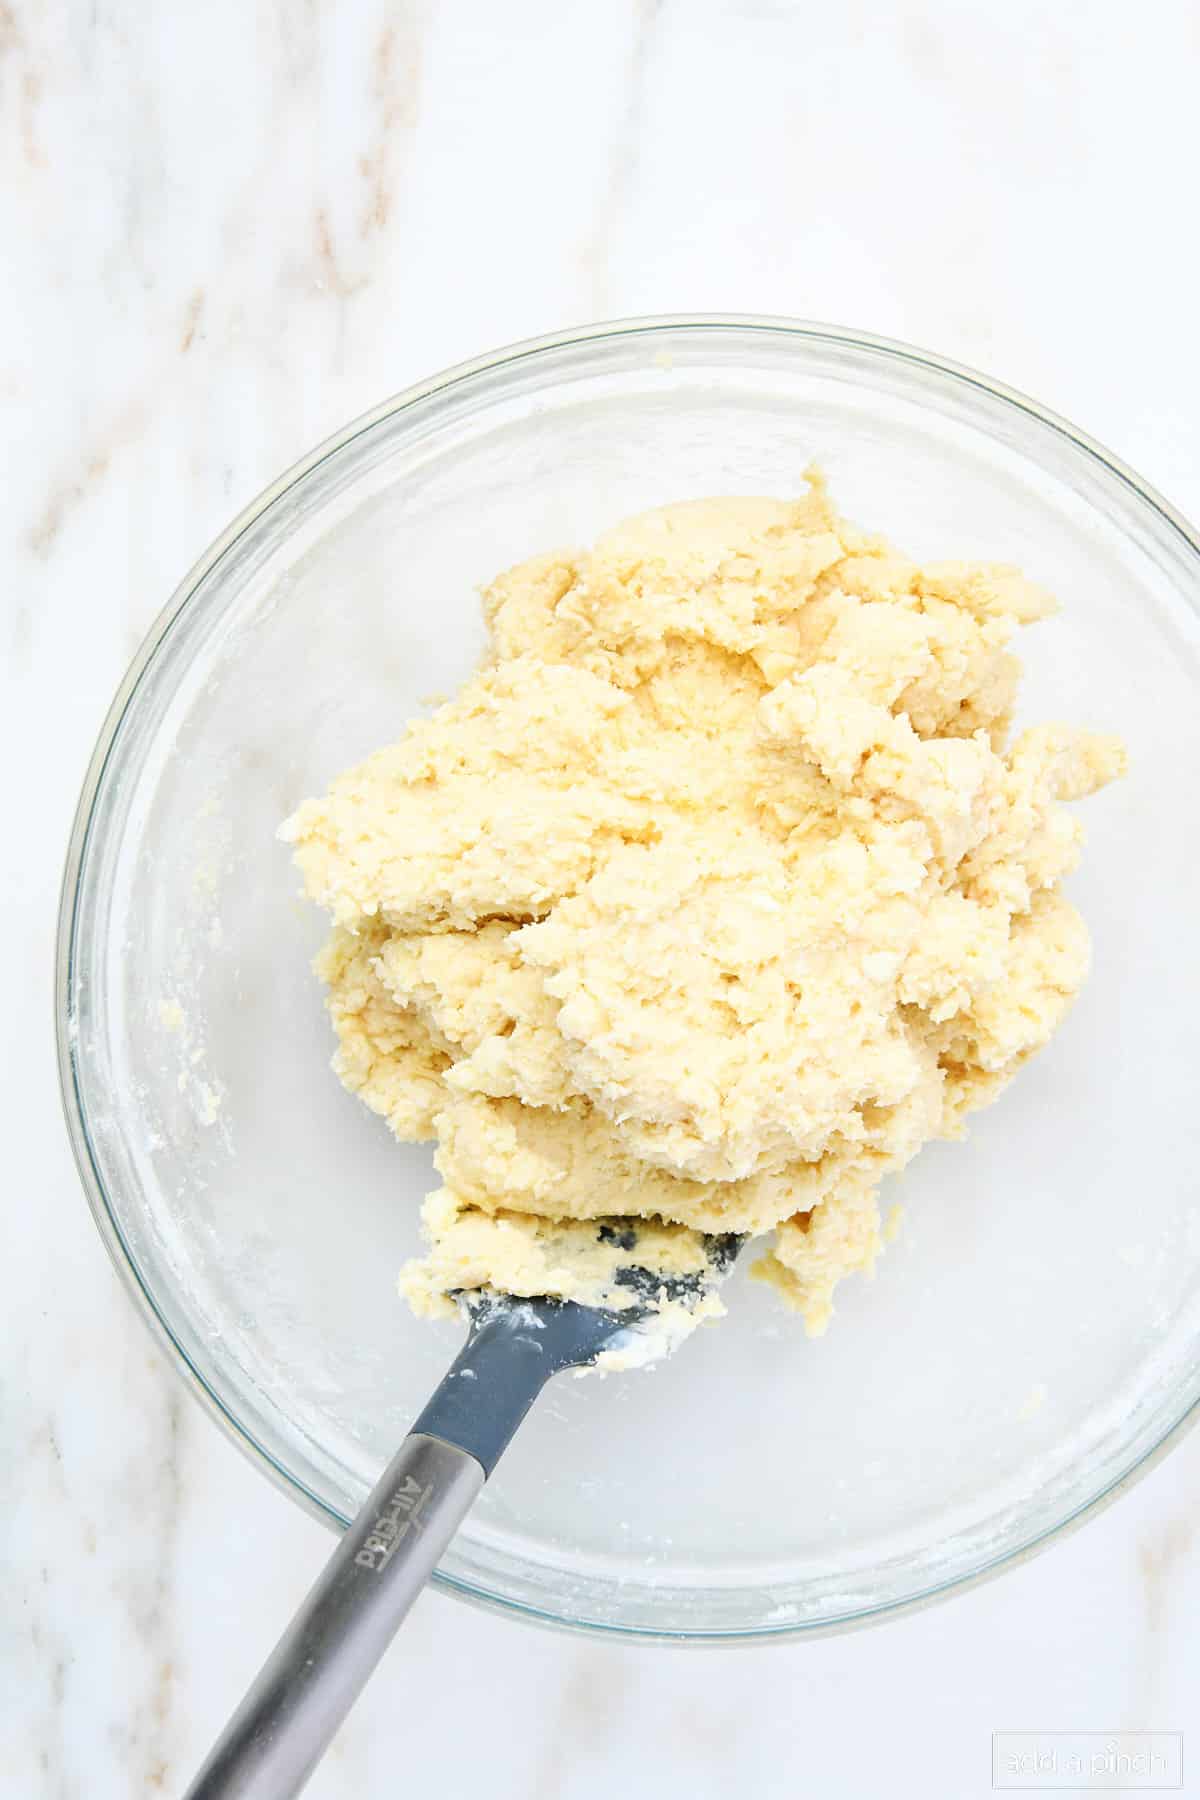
[228, 228]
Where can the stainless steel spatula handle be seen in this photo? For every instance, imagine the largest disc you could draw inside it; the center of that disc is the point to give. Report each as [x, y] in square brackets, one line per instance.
[321, 1663]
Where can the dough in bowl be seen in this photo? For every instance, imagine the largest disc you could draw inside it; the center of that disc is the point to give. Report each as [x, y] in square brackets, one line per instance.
[716, 893]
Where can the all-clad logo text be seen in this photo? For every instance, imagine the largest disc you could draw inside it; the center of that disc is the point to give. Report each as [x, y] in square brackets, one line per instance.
[401, 1514]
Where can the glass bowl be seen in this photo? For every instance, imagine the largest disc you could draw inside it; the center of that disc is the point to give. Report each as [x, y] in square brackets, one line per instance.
[1031, 1339]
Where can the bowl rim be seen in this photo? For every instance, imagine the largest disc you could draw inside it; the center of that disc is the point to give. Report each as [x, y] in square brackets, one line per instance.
[184, 1367]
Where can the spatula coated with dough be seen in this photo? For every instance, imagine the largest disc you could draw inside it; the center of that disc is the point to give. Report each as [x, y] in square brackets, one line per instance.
[324, 1658]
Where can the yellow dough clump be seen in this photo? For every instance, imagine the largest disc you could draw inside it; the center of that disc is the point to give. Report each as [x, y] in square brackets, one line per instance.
[715, 894]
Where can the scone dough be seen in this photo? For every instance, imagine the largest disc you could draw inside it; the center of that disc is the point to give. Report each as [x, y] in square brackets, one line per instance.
[715, 894]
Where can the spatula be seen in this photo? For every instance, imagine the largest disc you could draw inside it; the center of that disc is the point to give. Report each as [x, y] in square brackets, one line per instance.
[322, 1662]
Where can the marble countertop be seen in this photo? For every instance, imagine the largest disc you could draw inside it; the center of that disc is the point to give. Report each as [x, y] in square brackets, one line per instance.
[227, 229]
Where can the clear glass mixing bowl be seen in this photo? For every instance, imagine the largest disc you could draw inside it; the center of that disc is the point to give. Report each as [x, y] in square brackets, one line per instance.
[1034, 1335]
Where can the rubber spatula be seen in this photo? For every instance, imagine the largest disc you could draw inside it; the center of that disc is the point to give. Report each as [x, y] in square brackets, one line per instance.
[321, 1663]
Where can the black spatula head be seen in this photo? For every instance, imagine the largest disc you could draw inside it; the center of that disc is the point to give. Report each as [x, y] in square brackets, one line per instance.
[515, 1345]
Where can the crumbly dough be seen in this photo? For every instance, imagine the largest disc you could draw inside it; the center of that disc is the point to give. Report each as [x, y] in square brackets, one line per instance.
[715, 894]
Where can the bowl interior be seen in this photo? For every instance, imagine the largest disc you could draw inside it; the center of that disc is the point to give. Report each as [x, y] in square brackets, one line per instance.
[1032, 1333]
